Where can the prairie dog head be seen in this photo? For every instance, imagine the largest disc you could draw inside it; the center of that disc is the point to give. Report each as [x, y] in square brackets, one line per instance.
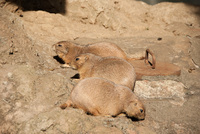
[136, 109]
[63, 48]
[79, 61]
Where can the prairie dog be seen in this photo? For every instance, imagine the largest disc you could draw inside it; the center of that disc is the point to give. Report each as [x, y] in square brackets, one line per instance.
[111, 68]
[67, 51]
[99, 96]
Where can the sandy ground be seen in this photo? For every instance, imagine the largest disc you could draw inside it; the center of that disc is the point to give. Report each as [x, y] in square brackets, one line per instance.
[33, 85]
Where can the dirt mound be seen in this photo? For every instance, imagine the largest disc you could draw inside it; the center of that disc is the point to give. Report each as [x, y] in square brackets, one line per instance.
[33, 85]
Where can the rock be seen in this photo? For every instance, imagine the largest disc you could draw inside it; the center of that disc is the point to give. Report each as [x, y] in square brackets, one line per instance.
[159, 89]
[167, 12]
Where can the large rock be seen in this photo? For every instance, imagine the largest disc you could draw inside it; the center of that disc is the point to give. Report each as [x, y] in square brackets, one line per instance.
[32, 84]
[105, 19]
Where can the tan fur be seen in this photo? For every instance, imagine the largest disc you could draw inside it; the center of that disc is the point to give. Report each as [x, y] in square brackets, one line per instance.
[67, 51]
[99, 96]
[111, 68]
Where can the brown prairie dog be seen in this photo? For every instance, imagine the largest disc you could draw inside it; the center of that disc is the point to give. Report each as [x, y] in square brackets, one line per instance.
[99, 96]
[67, 51]
[111, 68]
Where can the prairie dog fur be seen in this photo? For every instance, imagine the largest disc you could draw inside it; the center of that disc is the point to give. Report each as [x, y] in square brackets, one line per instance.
[67, 50]
[114, 69]
[99, 96]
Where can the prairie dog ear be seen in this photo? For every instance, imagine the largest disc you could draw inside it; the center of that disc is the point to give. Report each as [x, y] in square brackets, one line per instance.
[86, 57]
[65, 50]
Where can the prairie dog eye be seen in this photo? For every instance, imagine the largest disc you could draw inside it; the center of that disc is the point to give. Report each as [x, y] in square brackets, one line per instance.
[77, 59]
[135, 104]
[141, 110]
[59, 45]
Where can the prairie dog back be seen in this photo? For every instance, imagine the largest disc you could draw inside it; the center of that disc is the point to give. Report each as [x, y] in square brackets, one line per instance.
[68, 50]
[99, 96]
[112, 68]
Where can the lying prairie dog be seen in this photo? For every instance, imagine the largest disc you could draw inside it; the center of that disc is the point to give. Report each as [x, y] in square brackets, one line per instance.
[67, 51]
[99, 96]
[114, 69]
